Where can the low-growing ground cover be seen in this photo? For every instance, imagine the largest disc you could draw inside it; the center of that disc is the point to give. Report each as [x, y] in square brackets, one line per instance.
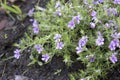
[71, 40]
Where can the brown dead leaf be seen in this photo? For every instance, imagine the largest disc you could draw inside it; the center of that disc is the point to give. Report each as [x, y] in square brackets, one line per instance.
[3, 24]
[1, 9]
[12, 1]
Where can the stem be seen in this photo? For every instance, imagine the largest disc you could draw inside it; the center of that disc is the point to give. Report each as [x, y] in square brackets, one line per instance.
[7, 58]
[11, 16]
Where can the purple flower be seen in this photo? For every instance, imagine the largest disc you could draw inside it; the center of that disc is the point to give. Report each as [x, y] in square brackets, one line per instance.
[95, 2]
[116, 2]
[100, 39]
[114, 11]
[107, 25]
[17, 53]
[92, 58]
[60, 45]
[71, 24]
[94, 13]
[116, 15]
[85, 2]
[113, 58]
[58, 12]
[116, 41]
[111, 11]
[100, 1]
[82, 79]
[39, 48]
[31, 20]
[90, 6]
[79, 49]
[111, 21]
[95, 19]
[113, 44]
[45, 57]
[83, 41]
[92, 25]
[28, 50]
[77, 19]
[36, 30]
[81, 44]
[87, 56]
[57, 37]
[115, 34]
[35, 23]
[30, 13]
[57, 4]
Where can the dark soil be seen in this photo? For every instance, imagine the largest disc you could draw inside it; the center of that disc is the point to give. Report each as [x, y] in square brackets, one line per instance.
[114, 73]
[11, 31]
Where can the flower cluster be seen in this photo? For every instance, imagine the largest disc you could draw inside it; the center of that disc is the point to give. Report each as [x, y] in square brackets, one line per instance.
[39, 48]
[35, 22]
[81, 44]
[59, 44]
[112, 11]
[116, 2]
[113, 44]
[61, 25]
[35, 27]
[58, 8]
[75, 20]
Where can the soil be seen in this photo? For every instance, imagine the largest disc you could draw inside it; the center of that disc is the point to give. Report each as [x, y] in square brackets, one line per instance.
[11, 31]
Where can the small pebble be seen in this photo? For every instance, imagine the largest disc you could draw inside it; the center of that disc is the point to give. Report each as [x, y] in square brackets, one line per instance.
[20, 77]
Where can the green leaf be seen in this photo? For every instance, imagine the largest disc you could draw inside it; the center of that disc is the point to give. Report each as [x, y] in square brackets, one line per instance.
[17, 9]
[58, 71]
[31, 57]
[40, 63]
[66, 38]
[16, 45]
[72, 77]
[31, 63]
